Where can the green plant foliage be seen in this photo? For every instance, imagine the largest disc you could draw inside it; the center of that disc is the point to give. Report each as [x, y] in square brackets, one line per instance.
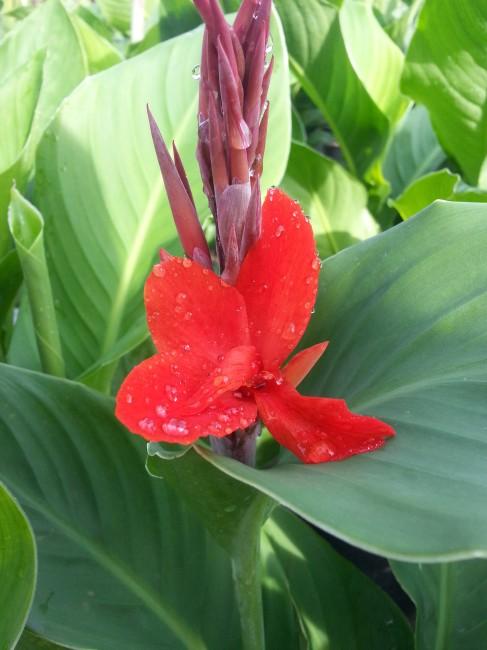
[113, 572]
[414, 151]
[407, 344]
[17, 569]
[48, 28]
[31, 641]
[335, 201]
[429, 188]
[107, 215]
[10, 280]
[450, 600]
[118, 12]
[18, 97]
[27, 230]
[446, 70]
[357, 88]
[100, 53]
[337, 605]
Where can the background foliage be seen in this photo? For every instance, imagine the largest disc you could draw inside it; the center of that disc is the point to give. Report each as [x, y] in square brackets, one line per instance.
[378, 128]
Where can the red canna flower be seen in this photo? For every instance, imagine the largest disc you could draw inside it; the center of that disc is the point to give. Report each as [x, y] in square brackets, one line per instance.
[221, 349]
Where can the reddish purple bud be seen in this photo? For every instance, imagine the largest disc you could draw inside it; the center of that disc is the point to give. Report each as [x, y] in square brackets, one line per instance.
[233, 117]
[231, 92]
[184, 212]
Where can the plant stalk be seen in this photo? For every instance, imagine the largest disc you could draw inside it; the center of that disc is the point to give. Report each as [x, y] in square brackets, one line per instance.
[246, 571]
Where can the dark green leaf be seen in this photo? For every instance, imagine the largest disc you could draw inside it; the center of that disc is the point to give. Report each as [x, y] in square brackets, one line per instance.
[451, 602]
[337, 605]
[17, 569]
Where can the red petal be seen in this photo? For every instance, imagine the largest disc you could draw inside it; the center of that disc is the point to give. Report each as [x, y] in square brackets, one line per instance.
[279, 279]
[159, 398]
[317, 429]
[303, 362]
[190, 309]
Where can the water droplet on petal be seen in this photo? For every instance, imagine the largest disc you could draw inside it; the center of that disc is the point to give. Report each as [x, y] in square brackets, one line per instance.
[187, 263]
[221, 380]
[315, 264]
[289, 332]
[129, 398]
[307, 305]
[309, 280]
[186, 347]
[147, 425]
[188, 315]
[172, 393]
[175, 427]
[161, 411]
[181, 297]
[159, 271]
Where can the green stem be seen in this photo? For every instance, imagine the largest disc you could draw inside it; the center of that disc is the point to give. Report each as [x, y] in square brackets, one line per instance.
[246, 571]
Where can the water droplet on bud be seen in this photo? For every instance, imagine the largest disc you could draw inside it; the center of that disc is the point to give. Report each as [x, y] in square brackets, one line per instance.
[196, 72]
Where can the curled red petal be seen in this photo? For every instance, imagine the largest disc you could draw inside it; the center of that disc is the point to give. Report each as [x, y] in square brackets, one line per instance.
[279, 278]
[190, 309]
[157, 401]
[302, 363]
[317, 429]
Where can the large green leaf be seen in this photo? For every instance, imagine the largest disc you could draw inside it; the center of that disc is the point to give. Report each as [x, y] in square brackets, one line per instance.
[451, 602]
[339, 608]
[447, 72]
[349, 68]
[121, 562]
[100, 191]
[18, 97]
[414, 151]
[408, 343]
[47, 28]
[335, 201]
[17, 569]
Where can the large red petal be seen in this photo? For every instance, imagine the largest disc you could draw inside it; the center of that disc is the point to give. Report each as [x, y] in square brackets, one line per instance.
[162, 398]
[189, 308]
[279, 279]
[317, 429]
